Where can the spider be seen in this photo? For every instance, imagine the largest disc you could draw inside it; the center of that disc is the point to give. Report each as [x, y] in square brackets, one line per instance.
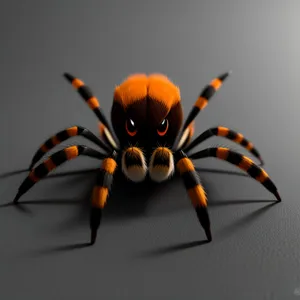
[148, 138]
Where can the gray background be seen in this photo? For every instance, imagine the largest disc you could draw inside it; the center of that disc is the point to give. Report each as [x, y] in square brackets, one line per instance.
[147, 246]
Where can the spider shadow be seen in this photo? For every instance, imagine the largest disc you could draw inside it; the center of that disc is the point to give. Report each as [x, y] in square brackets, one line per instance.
[22, 208]
[245, 221]
[128, 200]
[225, 232]
[24, 205]
[165, 250]
[12, 173]
[60, 249]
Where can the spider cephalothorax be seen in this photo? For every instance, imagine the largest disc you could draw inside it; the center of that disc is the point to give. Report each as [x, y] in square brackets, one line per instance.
[147, 138]
[146, 117]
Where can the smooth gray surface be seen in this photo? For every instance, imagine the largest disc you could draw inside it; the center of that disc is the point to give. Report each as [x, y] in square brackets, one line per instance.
[255, 252]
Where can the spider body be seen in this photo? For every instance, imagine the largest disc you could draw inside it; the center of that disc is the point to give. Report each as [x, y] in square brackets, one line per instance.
[146, 116]
[147, 137]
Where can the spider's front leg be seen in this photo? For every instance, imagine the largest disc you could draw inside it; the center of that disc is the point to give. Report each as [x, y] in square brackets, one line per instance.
[101, 192]
[195, 190]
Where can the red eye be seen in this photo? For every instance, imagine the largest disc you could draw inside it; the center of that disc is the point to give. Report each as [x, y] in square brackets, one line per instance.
[130, 127]
[163, 127]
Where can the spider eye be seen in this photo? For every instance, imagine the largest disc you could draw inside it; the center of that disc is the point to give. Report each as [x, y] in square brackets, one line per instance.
[163, 127]
[130, 127]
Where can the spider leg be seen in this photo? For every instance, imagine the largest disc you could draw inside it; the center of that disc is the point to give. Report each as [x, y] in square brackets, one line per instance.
[101, 192]
[92, 101]
[207, 93]
[195, 190]
[52, 163]
[242, 162]
[228, 134]
[63, 135]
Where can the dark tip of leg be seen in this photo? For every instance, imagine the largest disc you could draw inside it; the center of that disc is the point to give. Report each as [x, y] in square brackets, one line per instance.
[225, 75]
[93, 237]
[277, 196]
[203, 218]
[31, 166]
[95, 219]
[69, 77]
[15, 201]
[208, 235]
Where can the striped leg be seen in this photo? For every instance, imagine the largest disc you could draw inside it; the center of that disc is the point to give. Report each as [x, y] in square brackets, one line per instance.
[63, 135]
[241, 161]
[52, 163]
[100, 193]
[207, 93]
[92, 101]
[228, 134]
[195, 190]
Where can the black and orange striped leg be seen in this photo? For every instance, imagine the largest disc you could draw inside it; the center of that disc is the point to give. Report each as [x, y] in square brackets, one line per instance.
[207, 93]
[101, 193]
[228, 134]
[195, 190]
[51, 163]
[64, 135]
[92, 101]
[241, 161]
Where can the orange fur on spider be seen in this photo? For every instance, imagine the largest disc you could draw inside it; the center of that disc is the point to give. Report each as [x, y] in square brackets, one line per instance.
[138, 86]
